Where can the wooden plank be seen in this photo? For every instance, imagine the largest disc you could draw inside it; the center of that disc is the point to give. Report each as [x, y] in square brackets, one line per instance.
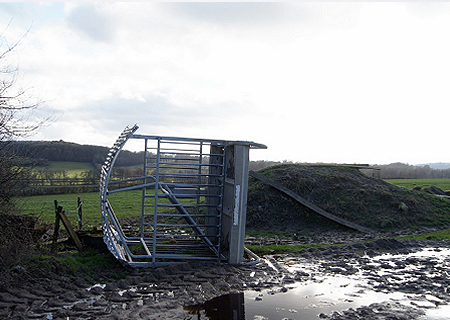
[308, 204]
[68, 227]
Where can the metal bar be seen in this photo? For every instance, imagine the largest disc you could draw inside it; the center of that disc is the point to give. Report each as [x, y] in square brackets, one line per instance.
[174, 205]
[209, 154]
[251, 144]
[178, 215]
[145, 247]
[141, 186]
[192, 185]
[188, 175]
[131, 179]
[155, 217]
[188, 218]
[144, 189]
[182, 235]
[224, 171]
[187, 196]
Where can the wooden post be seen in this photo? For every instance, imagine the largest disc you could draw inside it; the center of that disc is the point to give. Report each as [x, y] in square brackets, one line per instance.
[62, 216]
[80, 213]
[56, 230]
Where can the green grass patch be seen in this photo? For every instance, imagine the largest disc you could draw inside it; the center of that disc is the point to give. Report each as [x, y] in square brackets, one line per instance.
[73, 169]
[125, 204]
[435, 235]
[90, 264]
[443, 184]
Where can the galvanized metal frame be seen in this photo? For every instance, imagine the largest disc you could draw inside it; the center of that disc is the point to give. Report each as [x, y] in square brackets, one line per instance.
[183, 185]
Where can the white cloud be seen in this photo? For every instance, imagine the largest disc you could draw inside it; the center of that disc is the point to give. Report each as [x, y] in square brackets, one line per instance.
[330, 82]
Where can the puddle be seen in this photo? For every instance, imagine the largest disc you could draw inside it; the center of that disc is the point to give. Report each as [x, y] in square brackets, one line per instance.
[441, 313]
[303, 300]
[326, 293]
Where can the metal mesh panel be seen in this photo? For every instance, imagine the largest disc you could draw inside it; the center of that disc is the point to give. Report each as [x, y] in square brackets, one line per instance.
[182, 191]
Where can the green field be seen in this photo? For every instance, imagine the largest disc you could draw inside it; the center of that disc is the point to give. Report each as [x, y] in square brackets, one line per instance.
[125, 204]
[128, 204]
[73, 169]
[443, 184]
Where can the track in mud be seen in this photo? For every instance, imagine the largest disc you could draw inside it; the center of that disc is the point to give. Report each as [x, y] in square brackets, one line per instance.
[335, 283]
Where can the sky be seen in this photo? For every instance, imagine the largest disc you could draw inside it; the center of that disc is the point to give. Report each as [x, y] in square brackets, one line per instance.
[331, 82]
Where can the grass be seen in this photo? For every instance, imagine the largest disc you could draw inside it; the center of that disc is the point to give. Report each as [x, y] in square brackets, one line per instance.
[125, 204]
[73, 169]
[443, 184]
[92, 264]
[435, 235]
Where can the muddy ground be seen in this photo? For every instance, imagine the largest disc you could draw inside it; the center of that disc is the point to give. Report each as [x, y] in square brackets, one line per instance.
[167, 293]
[49, 290]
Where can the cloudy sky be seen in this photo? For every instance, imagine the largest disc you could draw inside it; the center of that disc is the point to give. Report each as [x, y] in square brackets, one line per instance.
[361, 82]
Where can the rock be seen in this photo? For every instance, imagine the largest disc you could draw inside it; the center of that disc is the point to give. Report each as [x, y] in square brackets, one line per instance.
[403, 207]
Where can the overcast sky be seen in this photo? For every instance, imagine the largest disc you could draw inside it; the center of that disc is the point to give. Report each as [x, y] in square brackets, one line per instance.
[362, 82]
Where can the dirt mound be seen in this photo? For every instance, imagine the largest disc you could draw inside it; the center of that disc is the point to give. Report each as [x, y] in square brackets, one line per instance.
[343, 191]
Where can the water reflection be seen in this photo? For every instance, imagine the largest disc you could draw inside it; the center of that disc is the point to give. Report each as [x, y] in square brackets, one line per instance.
[326, 293]
[226, 307]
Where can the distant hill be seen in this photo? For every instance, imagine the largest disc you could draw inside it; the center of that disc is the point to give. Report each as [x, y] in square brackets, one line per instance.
[40, 152]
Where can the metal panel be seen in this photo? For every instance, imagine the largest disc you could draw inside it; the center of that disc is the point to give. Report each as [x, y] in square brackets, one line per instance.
[182, 201]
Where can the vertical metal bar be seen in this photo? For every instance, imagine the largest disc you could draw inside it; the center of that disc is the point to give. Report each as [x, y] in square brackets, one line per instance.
[224, 169]
[144, 190]
[199, 175]
[155, 216]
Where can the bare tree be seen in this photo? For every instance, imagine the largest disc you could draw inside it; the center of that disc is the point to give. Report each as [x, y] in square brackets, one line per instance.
[15, 121]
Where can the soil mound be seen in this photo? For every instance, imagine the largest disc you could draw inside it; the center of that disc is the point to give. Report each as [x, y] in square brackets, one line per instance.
[343, 191]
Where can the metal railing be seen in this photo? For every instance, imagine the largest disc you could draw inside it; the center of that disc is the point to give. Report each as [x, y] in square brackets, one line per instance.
[181, 201]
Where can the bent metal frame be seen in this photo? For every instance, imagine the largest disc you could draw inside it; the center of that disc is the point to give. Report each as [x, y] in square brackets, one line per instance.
[193, 197]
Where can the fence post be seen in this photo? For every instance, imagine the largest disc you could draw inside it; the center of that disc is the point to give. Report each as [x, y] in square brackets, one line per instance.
[80, 213]
[56, 230]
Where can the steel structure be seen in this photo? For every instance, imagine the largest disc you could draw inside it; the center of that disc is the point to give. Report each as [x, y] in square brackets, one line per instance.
[193, 195]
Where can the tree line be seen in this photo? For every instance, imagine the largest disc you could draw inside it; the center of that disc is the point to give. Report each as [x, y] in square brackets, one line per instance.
[39, 153]
[406, 171]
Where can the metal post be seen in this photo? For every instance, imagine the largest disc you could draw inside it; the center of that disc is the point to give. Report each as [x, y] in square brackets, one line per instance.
[237, 232]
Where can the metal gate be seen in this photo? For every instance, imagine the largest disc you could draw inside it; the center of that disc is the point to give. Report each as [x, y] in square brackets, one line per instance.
[182, 188]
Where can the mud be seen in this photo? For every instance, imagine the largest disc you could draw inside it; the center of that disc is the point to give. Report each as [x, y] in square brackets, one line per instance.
[181, 291]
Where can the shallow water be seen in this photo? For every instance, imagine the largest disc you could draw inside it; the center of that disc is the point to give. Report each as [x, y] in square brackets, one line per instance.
[326, 293]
